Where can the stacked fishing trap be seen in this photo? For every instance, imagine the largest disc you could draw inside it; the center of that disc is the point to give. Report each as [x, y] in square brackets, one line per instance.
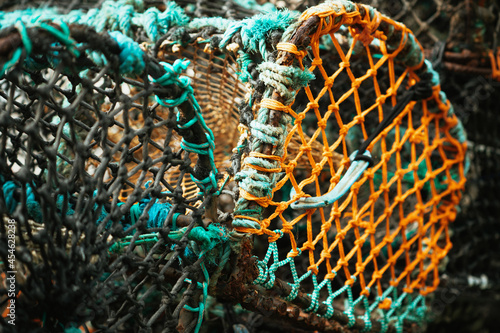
[194, 166]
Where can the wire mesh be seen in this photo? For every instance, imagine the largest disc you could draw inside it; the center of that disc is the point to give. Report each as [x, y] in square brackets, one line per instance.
[118, 139]
[88, 161]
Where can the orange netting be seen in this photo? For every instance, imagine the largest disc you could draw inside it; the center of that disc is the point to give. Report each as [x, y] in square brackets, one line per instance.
[219, 93]
[392, 224]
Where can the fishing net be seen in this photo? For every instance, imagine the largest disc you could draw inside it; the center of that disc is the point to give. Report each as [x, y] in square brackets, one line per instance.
[462, 43]
[461, 39]
[101, 149]
[469, 24]
[329, 131]
[462, 35]
[372, 238]
[473, 271]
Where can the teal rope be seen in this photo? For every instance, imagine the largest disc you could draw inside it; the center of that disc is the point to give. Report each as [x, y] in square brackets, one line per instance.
[173, 76]
[24, 36]
[244, 60]
[259, 184]
[201, 306]
[19, 25]
[285, 79]
[122, 15]
[63, 36]
[403, 307]
[254, 32]
[156, 215]
[219, 23]
[214, 237]
[252, 4]
[255, 29]
[131, 55]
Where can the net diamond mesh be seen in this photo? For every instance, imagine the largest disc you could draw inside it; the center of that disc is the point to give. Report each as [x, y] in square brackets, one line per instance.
[401, 206]
[94, 176]
[123, 222]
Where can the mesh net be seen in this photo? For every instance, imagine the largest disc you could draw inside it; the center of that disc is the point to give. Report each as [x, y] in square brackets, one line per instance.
[99, 185]
[473, 270]
[122, 206]
[388, 227]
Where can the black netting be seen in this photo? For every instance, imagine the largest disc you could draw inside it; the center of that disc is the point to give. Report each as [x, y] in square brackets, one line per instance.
[86, 155]
[465, 302]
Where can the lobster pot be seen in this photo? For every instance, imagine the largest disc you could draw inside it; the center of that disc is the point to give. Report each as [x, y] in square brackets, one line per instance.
[92, 168]
[207, 165]
[350, 231]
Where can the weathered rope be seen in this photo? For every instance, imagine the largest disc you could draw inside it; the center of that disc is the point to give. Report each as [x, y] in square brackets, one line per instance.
[122, 15]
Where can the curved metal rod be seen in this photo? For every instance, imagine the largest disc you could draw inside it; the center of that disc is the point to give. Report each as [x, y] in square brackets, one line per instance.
[351, 176]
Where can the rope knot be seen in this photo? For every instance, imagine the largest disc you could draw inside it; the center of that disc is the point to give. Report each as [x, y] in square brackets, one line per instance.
[326, 226]
[313, 268]
[340, 235]
[333, 107]
[359, 241]
[282, 206]
[400, 173]
[290, 167]
[355, 189]
[359, 119]
[381, 99]
[286, 80]
[312, 105]
[372, 72]
[385, 304]
[317, 62]
[345, 64]
[392, 260]
[377, 275]
[326, 254]
[274, 105]
[387, 240]
[316, 170]
[300, 117]
[308, 246]
[384, 188]
[329, 82]
[366, 36]
[291, 48]
[322, 124]
[305, 148]
[287, 227]
[406, 246]
[274, 237]
[336, 214]
[343, 131]
[408, 290]
[342, 262]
